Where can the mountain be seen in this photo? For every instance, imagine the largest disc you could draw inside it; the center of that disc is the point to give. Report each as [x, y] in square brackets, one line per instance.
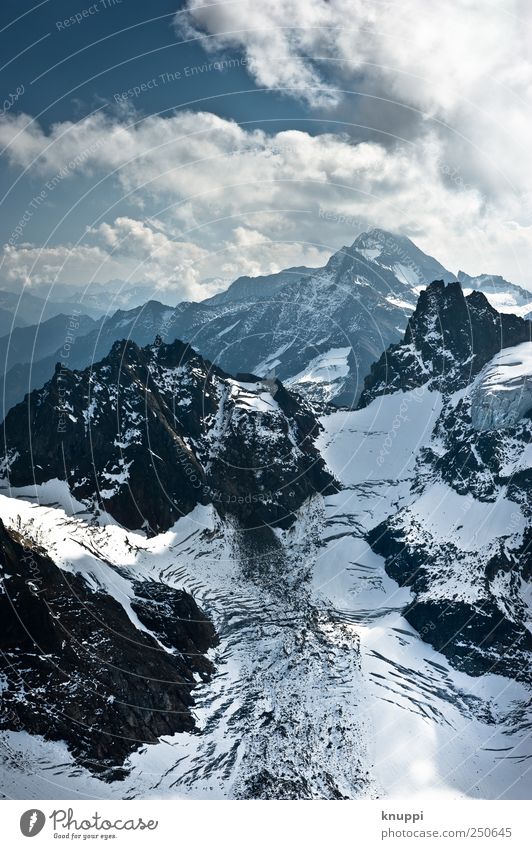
[116, 294]
[504, 296]
[401, 256]
[38, 341]
[146, 434]
[449, 338]
[26, 308]
[80, 349]
[462, 544]
[8, 321]
[264, 286]
[318, 330]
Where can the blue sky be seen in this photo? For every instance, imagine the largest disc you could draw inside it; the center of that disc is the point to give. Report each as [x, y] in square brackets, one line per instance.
[174, 144]
[71, 71]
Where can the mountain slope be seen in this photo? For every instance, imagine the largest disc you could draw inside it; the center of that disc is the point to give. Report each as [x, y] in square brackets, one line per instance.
[448, 339]
[389, 615]
[321, 688]
[140, 325]
[263, 286]
[26, 307]
[401, 256]
[78, 665]
[351, 304]
[318, 329]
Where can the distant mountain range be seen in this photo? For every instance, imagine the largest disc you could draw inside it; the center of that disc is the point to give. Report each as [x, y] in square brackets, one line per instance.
[26, 308]
[317, 330]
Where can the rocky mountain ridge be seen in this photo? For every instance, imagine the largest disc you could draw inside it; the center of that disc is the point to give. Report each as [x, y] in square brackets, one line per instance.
[319, 329]
[146, 434]
[471, 584]
[448, 340]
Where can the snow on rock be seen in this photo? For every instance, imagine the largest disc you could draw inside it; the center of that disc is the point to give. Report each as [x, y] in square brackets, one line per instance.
[278, 719]
[502, 392]
[323, 375]
[91, 654]
[322, 688]
[185, 434]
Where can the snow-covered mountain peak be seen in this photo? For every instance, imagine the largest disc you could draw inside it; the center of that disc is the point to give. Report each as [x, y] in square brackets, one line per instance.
[401, 256]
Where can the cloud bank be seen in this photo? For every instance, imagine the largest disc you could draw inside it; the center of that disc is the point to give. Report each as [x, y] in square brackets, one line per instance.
[208, 199]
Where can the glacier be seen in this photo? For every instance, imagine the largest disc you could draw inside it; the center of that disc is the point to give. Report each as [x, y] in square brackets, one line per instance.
[502, 393]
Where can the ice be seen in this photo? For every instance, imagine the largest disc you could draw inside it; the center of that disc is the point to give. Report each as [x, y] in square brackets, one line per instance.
[502, 392]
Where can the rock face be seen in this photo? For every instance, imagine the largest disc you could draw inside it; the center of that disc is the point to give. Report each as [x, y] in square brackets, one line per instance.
[77, 348]
[448, 340]
[148, 433]
[76, 668]
[351, 303]
[468, 605]
[462, 543]
[296, 322]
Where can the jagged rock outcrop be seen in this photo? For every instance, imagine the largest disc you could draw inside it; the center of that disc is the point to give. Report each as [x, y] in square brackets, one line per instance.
[467, 604]
[448, 340]
[148, 433]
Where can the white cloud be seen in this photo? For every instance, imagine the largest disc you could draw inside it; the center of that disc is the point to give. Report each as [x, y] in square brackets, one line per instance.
[466, 65]
[218, 200]
[135, 251]
[126, 249]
